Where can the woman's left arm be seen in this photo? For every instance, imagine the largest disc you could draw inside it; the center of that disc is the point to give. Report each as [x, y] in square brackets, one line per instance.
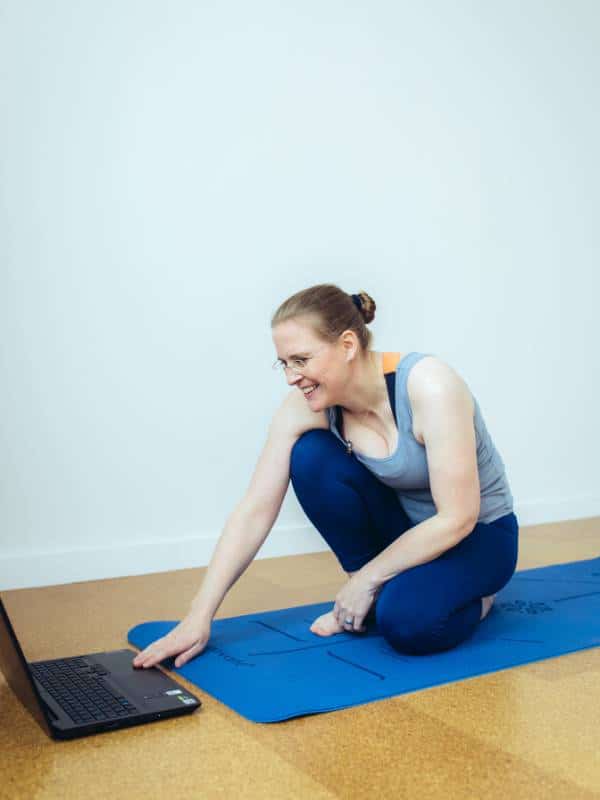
[444, 408]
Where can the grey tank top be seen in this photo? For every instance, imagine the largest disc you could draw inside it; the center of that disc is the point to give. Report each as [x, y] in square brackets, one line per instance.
[406, 469]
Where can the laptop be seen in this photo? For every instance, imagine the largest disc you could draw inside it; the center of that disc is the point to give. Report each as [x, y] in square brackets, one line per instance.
[98, 692]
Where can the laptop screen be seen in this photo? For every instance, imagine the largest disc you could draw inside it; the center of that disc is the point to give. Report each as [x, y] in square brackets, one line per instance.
[14, 668]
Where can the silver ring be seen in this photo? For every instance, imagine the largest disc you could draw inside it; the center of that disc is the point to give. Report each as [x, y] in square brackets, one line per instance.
[349, 620]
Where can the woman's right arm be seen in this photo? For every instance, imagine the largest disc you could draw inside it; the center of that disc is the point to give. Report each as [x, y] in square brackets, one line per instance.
[242, 537]
[245, 531]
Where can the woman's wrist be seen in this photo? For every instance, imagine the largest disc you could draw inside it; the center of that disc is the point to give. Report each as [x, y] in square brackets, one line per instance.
[199, 612]
[366, 576]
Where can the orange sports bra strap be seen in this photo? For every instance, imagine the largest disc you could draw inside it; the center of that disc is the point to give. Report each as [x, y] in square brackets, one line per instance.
[390, 362]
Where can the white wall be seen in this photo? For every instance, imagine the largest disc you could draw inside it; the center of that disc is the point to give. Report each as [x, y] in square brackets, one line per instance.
[171, 172]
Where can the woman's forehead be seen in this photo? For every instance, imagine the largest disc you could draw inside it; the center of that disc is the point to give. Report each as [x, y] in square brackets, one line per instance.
[295, 336]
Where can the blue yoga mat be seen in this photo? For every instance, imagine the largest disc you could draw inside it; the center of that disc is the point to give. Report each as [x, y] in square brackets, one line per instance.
[270, 667]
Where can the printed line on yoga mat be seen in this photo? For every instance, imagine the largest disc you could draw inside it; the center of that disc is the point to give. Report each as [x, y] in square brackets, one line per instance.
[520, 641]
[277, 630]
[317, 646]
[575, 596]
[289, 650]
[556, 580]
[357, 666]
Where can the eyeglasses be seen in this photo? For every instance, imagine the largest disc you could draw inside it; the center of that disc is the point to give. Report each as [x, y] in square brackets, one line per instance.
[297, 364]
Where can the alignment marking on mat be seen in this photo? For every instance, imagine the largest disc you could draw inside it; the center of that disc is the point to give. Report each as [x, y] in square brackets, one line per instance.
[358, 666]
[555, 580]
[523, 641]
[291, 650]
[316, 646]
[575, 596]
[277, 630]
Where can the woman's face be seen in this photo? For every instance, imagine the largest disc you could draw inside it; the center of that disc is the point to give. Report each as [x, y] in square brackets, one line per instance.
[320, 363]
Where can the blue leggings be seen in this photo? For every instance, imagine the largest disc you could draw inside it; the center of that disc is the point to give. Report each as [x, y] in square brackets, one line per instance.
[427, 608]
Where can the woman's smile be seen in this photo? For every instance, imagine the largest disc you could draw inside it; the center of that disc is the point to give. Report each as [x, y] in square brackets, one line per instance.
[309, 392]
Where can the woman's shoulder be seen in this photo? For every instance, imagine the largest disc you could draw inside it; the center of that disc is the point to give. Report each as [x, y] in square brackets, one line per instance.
[295, 413]
[432, 375]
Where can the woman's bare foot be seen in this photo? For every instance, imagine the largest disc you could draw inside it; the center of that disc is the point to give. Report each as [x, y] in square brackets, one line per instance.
[326, 625]
[487, 603]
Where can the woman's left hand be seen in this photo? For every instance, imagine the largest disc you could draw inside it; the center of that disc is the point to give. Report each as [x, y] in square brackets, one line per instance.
[354, 600]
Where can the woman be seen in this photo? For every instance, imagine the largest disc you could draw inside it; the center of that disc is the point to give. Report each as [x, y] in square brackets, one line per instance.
[391, 460]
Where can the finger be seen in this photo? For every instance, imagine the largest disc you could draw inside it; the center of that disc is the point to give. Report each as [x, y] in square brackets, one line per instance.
[341, 615]
[152, 658]
[140, 658]
[181, 660]
[189, 654]
[143, 662]
[145, 654]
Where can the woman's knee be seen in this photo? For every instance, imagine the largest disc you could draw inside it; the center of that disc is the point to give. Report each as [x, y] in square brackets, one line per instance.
[309, 452]
[413, 627]
[413, 643]
[408, 633]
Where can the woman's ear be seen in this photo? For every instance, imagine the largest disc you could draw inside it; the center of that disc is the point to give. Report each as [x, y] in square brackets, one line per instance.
[350, 344]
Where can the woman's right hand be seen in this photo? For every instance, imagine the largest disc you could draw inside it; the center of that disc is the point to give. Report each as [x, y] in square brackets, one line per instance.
[187, 640]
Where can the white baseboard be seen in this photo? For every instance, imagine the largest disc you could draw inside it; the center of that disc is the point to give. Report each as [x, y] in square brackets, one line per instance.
[44, 568]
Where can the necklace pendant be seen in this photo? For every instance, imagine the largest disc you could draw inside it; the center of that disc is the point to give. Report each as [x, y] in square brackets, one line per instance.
[349, 448]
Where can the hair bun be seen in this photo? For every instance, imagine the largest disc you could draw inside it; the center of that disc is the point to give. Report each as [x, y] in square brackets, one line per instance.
[365, 304]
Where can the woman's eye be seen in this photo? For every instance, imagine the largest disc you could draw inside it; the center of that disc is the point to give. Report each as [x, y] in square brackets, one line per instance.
[299, 362]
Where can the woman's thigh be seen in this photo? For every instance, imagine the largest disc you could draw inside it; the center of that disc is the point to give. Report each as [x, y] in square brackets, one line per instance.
[479, 565]
[357, 515]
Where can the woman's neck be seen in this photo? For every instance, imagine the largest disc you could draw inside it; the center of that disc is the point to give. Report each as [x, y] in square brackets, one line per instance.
[366, 392]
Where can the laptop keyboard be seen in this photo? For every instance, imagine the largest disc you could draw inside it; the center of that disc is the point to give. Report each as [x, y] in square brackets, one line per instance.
[78, 688]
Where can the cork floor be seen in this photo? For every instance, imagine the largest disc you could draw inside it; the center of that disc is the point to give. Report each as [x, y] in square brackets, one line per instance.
[528, 732]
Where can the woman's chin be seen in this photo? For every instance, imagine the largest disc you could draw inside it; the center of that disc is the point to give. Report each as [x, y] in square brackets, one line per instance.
[318, 401]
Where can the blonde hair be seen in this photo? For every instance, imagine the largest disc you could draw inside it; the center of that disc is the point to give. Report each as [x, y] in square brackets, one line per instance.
[330, 311]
